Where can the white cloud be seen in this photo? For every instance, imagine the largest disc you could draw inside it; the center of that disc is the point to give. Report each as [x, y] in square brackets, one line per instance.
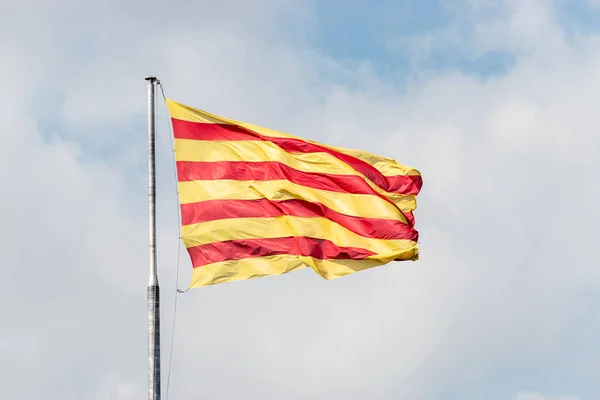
[537, 396]
[507, 215]
[594, 3]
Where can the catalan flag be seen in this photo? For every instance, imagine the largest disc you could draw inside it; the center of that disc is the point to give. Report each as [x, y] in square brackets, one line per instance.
[256, 202]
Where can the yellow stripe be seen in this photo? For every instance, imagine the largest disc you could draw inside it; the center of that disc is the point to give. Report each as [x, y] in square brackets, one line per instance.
[255, 151]
[387, 166]
[249, 268]
[285, 226]
[187, 113]
[357, 205]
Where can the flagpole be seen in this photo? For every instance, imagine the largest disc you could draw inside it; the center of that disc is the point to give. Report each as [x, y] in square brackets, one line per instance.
[153, 288]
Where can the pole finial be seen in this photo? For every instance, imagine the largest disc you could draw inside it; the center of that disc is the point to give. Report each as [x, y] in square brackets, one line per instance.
[151, 78]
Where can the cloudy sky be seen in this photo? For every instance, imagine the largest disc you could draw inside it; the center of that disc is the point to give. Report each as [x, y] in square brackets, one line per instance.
[495, 102]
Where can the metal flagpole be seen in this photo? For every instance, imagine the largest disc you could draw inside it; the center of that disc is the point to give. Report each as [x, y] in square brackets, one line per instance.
[153, 288]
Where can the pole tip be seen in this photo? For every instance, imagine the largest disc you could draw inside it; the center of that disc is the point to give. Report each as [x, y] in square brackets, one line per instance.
[150, 78]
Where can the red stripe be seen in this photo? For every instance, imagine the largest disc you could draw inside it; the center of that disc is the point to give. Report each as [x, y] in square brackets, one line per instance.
[376, 228]
[296, 246]
[401, 184]
[273, 170]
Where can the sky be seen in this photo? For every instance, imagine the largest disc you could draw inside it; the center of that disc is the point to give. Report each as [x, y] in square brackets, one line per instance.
[494, 102]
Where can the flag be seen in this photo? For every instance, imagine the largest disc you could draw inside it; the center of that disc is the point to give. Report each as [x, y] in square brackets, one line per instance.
[257, 202]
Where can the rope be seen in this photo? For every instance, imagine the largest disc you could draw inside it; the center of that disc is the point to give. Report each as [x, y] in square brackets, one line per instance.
[170, 132]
